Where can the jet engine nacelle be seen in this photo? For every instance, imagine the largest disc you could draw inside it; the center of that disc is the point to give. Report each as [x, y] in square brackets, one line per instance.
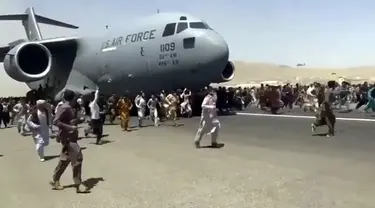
[228, 72]
[28, 62]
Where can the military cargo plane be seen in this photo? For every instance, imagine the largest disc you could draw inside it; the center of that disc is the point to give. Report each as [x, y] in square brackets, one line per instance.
[161, 51]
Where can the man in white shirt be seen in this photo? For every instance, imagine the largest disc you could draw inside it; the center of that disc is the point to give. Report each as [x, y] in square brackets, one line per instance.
[311, 96]
[140, 103]
[96, 125]
[185, 105]
[21, 110]
[152, 104]
[58, 105]
[209, 121]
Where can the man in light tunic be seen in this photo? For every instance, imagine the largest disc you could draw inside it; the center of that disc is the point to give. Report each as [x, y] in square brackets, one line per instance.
[124, 106]
[209, 122]
[140, 103]
[172, 102]
[39, 122]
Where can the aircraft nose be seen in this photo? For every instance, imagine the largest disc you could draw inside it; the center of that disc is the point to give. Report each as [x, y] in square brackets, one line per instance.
[216, 48]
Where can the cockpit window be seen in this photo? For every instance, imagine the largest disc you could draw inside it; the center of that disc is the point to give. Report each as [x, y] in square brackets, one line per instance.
[182, 26]
[198, 25]
[169, 29]
[208, 26]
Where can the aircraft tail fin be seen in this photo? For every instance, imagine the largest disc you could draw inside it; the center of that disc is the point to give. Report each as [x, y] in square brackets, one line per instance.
[30, 22]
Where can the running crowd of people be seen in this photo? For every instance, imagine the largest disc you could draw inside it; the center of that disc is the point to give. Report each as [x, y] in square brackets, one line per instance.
[40, 116]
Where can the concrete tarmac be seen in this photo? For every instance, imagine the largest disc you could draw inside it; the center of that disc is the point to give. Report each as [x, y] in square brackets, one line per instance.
[266, 162]
[346, 113]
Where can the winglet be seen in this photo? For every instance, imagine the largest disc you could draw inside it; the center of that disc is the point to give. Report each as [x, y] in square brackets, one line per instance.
[30, 22]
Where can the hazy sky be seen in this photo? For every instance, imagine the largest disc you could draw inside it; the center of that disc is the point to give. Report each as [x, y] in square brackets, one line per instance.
[320, 33]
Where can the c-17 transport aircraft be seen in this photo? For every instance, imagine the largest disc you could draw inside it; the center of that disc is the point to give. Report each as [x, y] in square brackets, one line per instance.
[162, 51]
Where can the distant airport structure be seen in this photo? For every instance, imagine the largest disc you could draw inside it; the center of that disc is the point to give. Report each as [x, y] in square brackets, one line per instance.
[298, 65]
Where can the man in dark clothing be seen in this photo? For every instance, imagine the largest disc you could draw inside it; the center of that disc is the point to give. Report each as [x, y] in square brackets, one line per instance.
[274, 99]
[2, 117]
[325, 115]
[70, 151]
[362, 95]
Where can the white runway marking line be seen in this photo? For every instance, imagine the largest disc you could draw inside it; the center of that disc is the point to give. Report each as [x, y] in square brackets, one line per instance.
[305, 117]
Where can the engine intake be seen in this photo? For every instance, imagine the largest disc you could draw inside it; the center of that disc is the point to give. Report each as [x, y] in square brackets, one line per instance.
[28, 62]
[228, 73]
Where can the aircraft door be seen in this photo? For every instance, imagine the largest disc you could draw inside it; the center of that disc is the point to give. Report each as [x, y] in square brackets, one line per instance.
[144, 52]
[123, 67]
[104, 68]
[144, 67]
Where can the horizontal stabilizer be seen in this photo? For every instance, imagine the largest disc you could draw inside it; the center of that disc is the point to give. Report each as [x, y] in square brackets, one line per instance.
[39, 19]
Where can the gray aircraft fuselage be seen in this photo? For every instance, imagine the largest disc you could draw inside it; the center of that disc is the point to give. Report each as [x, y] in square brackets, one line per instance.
[164, 51]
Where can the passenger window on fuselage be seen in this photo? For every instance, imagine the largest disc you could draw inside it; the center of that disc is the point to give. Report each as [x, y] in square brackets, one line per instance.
[198, 25]
[169, 29]
[182, 26]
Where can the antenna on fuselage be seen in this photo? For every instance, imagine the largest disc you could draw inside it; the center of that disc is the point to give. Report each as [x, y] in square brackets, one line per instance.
[106, 27]
[158, 11]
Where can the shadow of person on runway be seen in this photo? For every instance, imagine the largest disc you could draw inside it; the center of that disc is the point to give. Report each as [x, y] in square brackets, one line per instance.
[320, 134]
[89, 183]
[219, 146]
[103, 142]
[50, 157]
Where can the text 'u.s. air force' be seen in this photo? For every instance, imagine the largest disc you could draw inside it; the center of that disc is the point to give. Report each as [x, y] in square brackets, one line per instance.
[129, 38]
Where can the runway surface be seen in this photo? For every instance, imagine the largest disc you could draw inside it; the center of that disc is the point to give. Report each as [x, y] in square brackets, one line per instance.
[344, 113]
[266, 162]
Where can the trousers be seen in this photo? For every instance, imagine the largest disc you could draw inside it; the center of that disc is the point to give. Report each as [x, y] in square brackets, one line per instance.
[124, 118]
[154, 116]
[70, 153]
[326, 118]
[210, 126]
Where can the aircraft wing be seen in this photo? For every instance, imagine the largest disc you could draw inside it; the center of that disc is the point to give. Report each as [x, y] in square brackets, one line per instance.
[56, 41]
[49, 43]
[3, 52]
